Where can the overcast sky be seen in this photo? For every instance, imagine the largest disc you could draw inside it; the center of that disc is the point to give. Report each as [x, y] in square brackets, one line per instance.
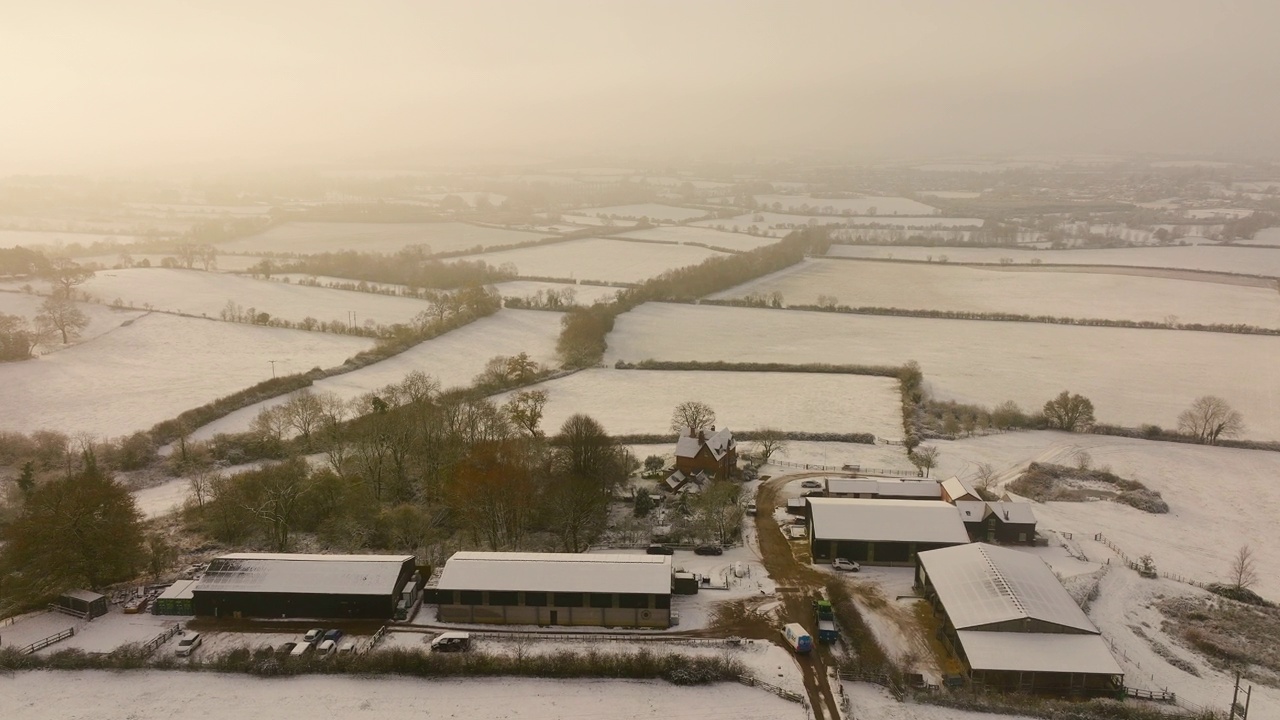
[95, 85]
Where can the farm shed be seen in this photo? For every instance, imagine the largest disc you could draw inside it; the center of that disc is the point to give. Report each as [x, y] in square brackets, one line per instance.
[555, 589]
[176, 599]
[82, 603]
[1006, 616]
[883, 489]
[881, 532]
[271, 585]
[956, 491]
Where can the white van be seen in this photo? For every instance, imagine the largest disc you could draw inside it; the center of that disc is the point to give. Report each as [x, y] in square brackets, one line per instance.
[798, 638]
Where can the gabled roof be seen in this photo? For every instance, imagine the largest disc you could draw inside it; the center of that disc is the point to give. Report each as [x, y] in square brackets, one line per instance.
[300, 573]
[908, 488]
[972, 510]
[850, 486]
[926, 521]
[557, 572]
[957, 488]
[720, 442]
[687, 446]
[1038, 652]
[1013, 512]
[980, 585]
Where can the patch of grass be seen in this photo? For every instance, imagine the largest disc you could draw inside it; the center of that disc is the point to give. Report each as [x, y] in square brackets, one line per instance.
[1229, 634]
[1046, 482]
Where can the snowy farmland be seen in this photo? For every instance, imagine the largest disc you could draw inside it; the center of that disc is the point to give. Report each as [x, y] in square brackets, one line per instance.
[1065, 294]
[152, 369]
[1211, 258]
[582, 294]
[32, 239]
[706, 236]
[153, 695]
[306, 238]
[101, 319]
[194, 292]
[630, 402]
[454, 359]
[1132, 376]
[869, 205]
[598, 259]
[653, 211]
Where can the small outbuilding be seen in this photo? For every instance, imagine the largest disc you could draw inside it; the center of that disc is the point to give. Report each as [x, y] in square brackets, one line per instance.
[956, 491]
[84, 604]
[881, 532]
[555, 589]
[176, 599]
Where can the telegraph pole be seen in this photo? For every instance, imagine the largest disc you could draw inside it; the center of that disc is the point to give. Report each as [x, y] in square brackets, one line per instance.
[273, 367]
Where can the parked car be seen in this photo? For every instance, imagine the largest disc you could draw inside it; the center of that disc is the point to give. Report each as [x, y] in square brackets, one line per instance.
[327, 648]
[302, 648]
[286, 648]
[335, 635]
[451, 642]
[708, 550]
[811, 484]
[751, 508]
[187, 643]
[846, 565]
[347, 648]
[657, 549]
[314, 635]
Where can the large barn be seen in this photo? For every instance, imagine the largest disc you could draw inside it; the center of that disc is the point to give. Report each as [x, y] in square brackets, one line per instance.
[555, 589]
[1006, 616]
[881, 532]
[271, 585]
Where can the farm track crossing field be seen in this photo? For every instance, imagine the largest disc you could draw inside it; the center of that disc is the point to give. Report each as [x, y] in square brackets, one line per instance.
[598, 259]
[1132, 376]
[703, 235]
[308, 238]
[640, 401]
[151, 370]
[194, 292]
[454, 359]
[1209, 258]
[1080, 295]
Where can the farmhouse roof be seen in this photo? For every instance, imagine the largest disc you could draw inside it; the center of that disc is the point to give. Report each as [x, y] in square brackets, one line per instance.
[972, 510]
[1038, 652]
[982, 584]
[1013, 512]
[557, 572]
[688, 446]
[302, 573]
[957, 488]
[720, 443]
[929, 521]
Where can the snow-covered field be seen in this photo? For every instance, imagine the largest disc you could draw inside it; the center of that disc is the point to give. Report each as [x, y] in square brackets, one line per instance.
[101, 319]
[640, 401]
[152, 369]
[195, 292]
[781, 223]
[318, 237]
[598, 259]
[1268, 236]
[454, 359]
[582, 294]
[1082, 295]
[1132, 376]
[653, 211]
[154, 695]
[1213, 258]
[226, 263]
[48, 239]
[706, 236]
[869, 205]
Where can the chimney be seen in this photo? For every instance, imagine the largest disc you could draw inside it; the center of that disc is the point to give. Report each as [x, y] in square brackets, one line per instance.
[702, 436]
[1006, 514]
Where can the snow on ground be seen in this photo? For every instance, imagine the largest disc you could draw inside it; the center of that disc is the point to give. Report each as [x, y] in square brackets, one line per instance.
[153, 695]
[780, 224]
[152, 369]
[836, 454]
[582, 294]
[592, 221]
[869, 205]
[597, 259]
[226, 263]
[1219, 498]
[101, 319]
[1132, 376]
[454, 359]
[1080, 295]
[873, 701]
[205, 293]
[1268, 236]
[318, 237]
[691, 234]
[1212, 258]
[32, 239]
[640, 401]
[653, 211]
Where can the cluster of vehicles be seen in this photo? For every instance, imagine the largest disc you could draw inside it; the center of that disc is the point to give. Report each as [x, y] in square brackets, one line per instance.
[660, 549]
[320, 641]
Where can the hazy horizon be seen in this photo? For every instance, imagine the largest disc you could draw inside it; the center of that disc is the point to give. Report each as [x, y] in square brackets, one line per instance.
[137, 85]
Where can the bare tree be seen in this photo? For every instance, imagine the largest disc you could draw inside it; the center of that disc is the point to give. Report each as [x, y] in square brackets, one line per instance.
[925, 458]
[525, 410]
[768, 442]
[59, 313]
[984, 476]
[1243, 571]
[1209, 418]
[693, 416]
[1069, 412]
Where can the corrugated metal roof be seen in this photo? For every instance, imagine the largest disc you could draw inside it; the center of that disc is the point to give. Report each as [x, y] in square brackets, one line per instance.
[845, 486]
[180, 590]
[318, 574]
[83, 595]
[1038, 652]
[557, 572]
[909, 488]
[929, 521]
[981, 584]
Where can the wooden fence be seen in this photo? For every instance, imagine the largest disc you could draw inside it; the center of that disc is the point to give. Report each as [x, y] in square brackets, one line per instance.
[1163, 696]
[150, 646]
[768, 687]
[42, 644]
[878, 678]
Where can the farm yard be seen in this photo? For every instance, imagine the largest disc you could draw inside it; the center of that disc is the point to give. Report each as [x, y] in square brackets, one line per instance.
[597, 259]
[309, 238]
[973, 289]
[454, 359]
[640, 401]
[1161, 371]
[152, 369]
[1207, 258]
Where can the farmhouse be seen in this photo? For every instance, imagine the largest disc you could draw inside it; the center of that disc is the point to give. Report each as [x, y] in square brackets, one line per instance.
[271, 585]
[555, 589]
[1006, 616]
[881, 532]
[1001, 522]
[715, 454]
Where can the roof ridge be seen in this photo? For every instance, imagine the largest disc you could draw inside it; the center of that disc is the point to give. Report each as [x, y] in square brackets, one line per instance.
[1003, 582]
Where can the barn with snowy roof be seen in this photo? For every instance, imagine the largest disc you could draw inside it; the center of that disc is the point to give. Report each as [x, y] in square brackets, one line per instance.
[515, 588]
[881, 532]
[1006, 616]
